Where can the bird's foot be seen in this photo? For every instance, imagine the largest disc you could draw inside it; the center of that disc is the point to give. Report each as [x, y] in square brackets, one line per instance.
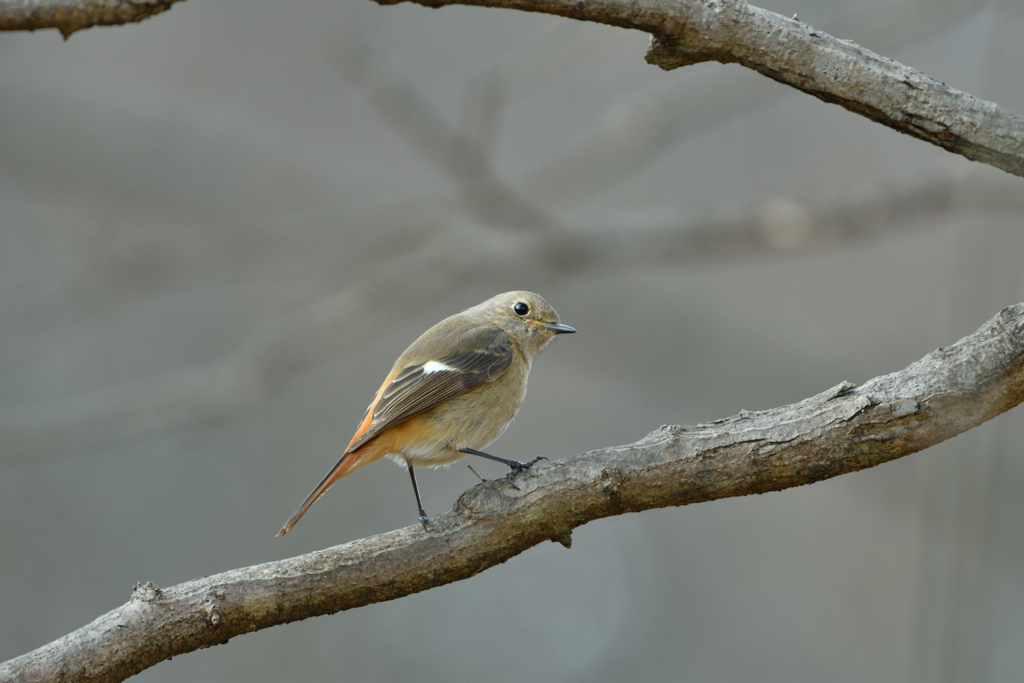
[518, 467]
[424, 520]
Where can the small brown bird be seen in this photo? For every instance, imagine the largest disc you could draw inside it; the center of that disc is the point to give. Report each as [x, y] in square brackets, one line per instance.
[453, 392]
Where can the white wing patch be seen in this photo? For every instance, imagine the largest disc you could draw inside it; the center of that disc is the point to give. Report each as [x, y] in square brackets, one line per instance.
[433, 366]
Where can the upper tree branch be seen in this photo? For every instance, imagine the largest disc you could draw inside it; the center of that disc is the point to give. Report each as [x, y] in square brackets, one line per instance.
[794, 53]
[841, 430]
[68, 16]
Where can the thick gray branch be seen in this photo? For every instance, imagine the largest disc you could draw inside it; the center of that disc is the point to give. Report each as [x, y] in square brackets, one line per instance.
[68, 16]
[792, 52]
[841, 430]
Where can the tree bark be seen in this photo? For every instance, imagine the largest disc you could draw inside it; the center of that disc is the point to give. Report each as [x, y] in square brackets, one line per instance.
[68, 16]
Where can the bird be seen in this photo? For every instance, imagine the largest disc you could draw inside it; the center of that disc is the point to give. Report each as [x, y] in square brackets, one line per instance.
[452, 392]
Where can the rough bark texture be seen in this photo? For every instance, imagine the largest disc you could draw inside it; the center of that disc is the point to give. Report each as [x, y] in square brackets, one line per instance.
[792, 52]
[841, 430]
[68, 16]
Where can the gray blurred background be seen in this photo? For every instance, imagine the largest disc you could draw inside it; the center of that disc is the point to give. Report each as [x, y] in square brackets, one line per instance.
[219, 227]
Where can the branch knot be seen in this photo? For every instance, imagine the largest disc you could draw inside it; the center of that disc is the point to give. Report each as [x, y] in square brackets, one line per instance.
[146, 592]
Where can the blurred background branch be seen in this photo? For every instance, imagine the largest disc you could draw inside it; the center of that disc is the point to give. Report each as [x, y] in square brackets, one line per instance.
[319, 330]
[810, 60]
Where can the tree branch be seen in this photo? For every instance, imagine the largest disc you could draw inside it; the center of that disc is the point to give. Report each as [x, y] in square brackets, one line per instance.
[841, 430]
[68, 16]
[792, 52]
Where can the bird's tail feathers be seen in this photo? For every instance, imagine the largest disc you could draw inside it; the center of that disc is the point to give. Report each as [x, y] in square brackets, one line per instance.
[344, 466]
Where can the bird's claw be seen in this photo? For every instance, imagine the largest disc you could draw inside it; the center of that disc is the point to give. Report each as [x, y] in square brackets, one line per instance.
[518, 467]
[424, 520]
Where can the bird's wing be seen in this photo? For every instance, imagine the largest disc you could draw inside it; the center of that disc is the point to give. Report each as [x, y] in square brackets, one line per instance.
[480, 356]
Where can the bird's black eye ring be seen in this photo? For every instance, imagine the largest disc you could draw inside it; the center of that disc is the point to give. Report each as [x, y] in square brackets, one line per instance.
[521, 309]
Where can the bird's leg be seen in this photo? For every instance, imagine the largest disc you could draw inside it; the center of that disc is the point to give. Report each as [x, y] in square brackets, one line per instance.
[515, 467]
[416, 489]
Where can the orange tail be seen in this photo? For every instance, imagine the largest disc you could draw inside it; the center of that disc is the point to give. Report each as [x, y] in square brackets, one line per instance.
[337, 472]
[351, 460]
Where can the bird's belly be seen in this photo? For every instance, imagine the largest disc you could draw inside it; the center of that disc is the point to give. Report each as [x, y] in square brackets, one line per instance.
[473, 420]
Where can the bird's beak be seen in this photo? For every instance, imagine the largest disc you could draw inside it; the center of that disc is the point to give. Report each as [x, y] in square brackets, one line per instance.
[559, 328]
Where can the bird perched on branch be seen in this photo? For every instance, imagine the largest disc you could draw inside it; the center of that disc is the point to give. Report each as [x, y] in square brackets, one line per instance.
[451, 393]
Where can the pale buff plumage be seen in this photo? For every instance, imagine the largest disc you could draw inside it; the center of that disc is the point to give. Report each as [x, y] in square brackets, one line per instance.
[456, 387]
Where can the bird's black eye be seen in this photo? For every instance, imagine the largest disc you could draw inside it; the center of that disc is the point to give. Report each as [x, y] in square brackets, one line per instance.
[521, 309]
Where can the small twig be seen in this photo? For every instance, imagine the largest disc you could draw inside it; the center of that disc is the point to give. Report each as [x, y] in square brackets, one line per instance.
[482, 480]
